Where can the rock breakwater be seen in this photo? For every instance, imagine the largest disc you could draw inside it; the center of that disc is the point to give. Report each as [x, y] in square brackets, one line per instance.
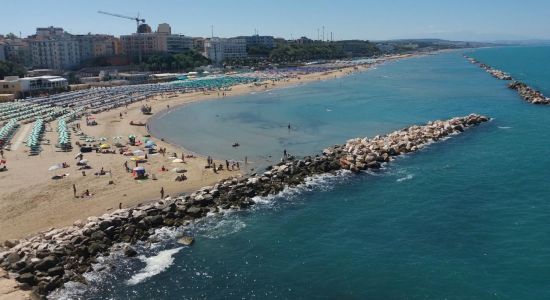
[526, 92]
[529, 94]
[494, 72]
[49, 259]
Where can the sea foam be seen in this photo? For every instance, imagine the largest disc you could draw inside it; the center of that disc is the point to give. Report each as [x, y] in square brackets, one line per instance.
[154, 265]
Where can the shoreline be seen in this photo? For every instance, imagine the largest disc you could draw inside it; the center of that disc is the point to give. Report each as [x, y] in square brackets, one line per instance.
[56, 209]
[292, 83]
[46, 261]
[38, 191]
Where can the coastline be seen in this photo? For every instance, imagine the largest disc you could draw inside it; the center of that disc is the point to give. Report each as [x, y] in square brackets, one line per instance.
[46, 261]
[45, 203]
[49, 205]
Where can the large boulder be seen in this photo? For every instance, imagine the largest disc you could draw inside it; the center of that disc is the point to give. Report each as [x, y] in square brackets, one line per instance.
[11, 243]
[129, 251]
[27, 278]
[194, 211]
[55, 271]
[47, 263]
[12, 258]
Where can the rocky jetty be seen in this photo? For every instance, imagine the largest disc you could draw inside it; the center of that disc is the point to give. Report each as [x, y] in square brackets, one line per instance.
[528, 94]
[494, 72]
[47, 260]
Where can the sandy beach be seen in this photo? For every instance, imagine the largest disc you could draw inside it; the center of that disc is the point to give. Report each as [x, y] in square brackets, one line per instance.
[31, 201]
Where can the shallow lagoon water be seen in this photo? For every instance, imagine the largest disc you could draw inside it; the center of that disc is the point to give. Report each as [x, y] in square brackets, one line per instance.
[466, 218]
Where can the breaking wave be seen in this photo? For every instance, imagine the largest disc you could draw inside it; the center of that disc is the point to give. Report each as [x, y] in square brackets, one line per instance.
[154, 265]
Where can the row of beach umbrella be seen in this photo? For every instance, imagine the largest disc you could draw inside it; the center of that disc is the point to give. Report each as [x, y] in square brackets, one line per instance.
[64, 138]
[33, 140]
[7, 131]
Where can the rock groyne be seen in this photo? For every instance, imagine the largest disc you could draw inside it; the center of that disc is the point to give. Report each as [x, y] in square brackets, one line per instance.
[46, 261]
[529, 94]
[498, 74]
[526, 92]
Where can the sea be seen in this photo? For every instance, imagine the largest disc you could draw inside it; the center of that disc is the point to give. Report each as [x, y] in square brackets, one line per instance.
[465, 218]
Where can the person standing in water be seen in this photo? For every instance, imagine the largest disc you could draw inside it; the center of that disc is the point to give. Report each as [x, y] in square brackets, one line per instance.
[162, 193]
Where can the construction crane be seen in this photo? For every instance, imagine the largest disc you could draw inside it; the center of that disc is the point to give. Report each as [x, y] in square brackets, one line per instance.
[137, 19]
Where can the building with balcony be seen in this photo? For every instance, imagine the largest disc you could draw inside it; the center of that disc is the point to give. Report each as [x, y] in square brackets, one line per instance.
[222, 49]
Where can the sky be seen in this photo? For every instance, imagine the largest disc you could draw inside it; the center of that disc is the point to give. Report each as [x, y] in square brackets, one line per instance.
[481, 20]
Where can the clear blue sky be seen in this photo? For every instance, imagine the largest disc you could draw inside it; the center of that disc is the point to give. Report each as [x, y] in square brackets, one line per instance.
[348, 19]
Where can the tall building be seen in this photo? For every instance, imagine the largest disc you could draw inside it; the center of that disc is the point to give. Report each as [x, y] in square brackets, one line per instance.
[59, 53]
[161, 41]
[259, 40]
[17, 50]
[143, 43]
[96, 45]
[221, 49]
[53, 48]
[176, 43]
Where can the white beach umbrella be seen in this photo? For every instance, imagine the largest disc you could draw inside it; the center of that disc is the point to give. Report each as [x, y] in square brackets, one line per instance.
[177, 160]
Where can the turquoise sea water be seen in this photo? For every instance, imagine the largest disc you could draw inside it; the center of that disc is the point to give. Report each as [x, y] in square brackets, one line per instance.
[467, 218]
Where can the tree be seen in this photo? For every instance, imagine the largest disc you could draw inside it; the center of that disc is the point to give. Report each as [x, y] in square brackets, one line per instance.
[183, 61]
[11, 36]
[8, 68]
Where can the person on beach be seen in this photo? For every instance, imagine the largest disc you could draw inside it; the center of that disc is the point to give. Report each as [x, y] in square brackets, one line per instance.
[2, 153]
[74, 190]
[227, 164]
[284, 153]
[246, 160]
[182, 157]
[238, 167]
[162, 193]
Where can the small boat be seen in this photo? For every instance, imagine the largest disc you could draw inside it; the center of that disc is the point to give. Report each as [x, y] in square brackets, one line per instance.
[235, 145]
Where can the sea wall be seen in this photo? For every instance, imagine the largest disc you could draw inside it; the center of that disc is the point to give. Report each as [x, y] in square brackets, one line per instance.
[47, 260]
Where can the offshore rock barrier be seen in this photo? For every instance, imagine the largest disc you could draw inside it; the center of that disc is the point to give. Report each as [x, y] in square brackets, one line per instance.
[47, 260]
[528, 94]
[494, 72]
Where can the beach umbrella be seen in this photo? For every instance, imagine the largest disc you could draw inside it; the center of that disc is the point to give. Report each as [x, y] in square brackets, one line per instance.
[54, 167]
[179, 170]
[140, 168]
[84, 162]
[138, 152]
[79, 153]
[177, 160]
[105, 146]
